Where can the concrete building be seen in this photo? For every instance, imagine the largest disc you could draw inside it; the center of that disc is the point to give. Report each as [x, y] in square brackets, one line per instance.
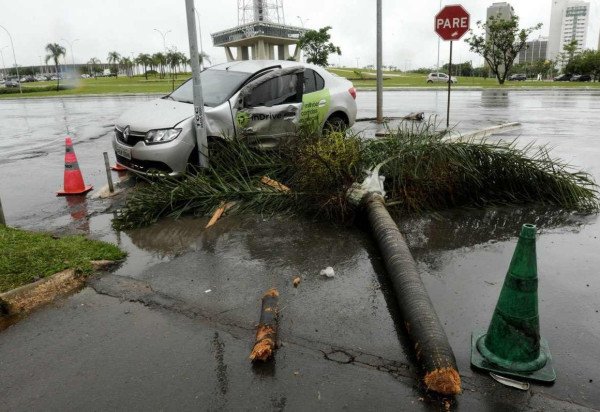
[535, 50]
[261, 33]
[569, 21]
[501, 10]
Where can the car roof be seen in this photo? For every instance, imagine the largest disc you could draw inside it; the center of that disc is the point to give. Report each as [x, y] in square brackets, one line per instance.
[253, 66]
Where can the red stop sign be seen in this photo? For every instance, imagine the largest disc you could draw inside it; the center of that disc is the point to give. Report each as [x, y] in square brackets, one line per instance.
[452, 22]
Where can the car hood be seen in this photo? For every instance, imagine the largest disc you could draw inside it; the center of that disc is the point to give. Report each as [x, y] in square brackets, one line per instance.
[156, 114]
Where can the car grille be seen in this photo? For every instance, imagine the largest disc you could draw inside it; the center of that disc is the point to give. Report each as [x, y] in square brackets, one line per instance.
[132, 139]
[143, 166]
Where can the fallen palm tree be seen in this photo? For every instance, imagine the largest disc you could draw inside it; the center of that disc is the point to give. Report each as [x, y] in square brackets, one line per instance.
[321, 175]
[423, 172]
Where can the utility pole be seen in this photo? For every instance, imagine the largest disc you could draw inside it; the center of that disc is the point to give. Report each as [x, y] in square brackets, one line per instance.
[14, 57]
[199, 119]
[379, 63]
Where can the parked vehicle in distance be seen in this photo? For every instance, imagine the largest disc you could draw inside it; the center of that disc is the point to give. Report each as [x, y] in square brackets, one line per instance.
[517, 77]
[11, 83]
[581, 78]
[563, 78]
[264, 102]
[440, 77]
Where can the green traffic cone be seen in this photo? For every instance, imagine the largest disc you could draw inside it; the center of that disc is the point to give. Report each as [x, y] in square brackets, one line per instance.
[512, 345]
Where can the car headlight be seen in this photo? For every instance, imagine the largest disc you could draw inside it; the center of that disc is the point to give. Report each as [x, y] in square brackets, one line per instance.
[161, 135]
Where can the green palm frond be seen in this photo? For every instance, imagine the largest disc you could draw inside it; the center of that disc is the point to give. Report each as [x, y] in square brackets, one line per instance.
[423, 171]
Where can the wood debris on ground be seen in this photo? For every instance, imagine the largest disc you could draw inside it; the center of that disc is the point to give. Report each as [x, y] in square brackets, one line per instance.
[266, 333]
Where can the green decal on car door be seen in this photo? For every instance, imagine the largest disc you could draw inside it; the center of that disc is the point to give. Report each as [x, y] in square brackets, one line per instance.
[315, 107]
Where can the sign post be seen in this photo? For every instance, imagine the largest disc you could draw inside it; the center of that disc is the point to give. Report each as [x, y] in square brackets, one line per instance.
[451, 23]
[199, 118]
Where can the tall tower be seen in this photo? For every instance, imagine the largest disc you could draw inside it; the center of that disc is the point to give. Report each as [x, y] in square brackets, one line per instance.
[250, 11]
[569, 21]
[261, 33]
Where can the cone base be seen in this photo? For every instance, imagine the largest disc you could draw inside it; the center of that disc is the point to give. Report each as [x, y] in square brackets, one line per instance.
[119, 168]
[71, 193]
[544, 375]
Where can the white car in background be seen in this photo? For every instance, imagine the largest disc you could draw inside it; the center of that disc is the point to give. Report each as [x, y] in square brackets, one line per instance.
[440, 77]
[264, 102]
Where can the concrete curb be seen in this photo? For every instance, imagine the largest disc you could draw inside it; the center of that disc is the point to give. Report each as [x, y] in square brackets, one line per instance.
[18, 302]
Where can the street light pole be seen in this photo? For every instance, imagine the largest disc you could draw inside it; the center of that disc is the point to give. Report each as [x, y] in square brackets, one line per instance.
[438, 59]
[14, 57]
[70, 43]
[199, 118]
[379, 63]
[164, 35]
[3, 65]
[302, 20]
[200, 37]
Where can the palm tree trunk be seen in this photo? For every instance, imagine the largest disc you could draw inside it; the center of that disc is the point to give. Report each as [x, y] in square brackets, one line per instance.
[57, 77]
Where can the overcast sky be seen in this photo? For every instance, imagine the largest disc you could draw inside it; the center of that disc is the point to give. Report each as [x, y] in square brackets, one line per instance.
[127, 27]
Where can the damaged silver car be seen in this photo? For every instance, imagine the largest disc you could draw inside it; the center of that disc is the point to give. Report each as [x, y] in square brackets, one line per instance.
[262, 101]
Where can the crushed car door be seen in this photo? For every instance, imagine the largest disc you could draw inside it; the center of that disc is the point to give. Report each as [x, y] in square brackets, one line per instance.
[268, 108]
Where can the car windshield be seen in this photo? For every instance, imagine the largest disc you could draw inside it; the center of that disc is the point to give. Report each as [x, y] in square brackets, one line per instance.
[217, 86]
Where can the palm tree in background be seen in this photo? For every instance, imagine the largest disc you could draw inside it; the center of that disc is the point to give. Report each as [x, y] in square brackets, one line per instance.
[160, 61]
[145, 60]
[114, 58]
[55, 50]
[127, 64]
[203, 57]
[93, 63]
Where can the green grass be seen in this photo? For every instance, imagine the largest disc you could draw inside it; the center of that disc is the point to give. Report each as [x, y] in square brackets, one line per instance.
[399, 79]
[28, 256]
[100, 85]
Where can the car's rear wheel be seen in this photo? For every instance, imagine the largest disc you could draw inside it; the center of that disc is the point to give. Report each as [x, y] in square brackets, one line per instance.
[429, 81]
[335, 124]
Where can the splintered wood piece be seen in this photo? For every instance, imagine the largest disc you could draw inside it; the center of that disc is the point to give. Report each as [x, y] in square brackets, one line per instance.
[223, 207]
[274, 184]
[217, 215]
[266, 334]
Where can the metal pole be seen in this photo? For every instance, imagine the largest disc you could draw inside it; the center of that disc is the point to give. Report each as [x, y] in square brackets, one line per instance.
[3, 65]
[200, 37]
[438, 59]
[379, 64]
[2, 219]
[14, 57]
[70, 43]
[199, 119]
[111, 187]
[449, 87]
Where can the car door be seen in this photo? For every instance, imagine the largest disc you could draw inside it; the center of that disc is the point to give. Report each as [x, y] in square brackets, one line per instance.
[316, 102]
[267, 110]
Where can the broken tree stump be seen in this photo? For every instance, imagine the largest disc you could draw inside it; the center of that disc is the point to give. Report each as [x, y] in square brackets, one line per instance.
[266, 333]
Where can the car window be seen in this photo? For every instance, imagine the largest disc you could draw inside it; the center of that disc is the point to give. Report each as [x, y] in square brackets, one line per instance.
[433, 75]
[217, 87]
[313, 81]
[279, 90]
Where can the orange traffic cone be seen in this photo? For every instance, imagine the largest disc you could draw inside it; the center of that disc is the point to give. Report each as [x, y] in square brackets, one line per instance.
[73, 184]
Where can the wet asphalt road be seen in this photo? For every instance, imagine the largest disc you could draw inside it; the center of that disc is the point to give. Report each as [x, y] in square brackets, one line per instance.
[150, 336]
